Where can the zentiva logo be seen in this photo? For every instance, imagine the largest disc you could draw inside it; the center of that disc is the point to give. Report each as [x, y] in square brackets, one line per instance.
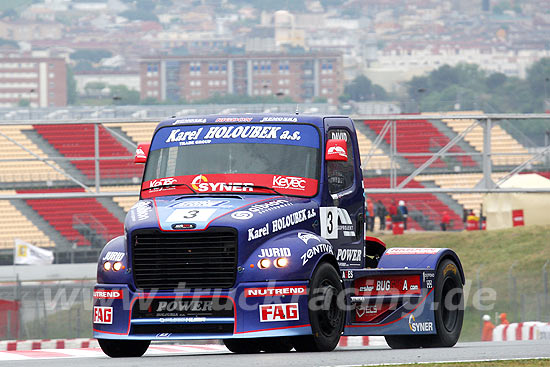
[103, 315]
[279, 312]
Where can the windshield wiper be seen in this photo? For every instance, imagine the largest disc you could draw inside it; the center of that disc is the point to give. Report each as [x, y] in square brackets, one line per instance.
[171, 185]
[259, 187]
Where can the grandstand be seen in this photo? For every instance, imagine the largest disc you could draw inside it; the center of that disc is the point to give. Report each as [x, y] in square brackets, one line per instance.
[20, 147]
[125, 202]
[19, 226]
[470, 201]
[501, 142]
[139, 133]
[77, 141]
[425, 210]
[378, 160]
[421, 137]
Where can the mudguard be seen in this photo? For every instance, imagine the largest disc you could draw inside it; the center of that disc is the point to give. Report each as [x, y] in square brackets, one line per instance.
[429, 258]
[304, 250]
[114, 250]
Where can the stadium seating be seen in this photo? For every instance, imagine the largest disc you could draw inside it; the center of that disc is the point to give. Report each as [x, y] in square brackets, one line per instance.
[501, 142]
[139, 133]
[426, 205]
[68, 212]
[35, 170]
[378, 161]
[465, 180]
[420, 136]
[125, 202]
[18, 226]
[78, 141]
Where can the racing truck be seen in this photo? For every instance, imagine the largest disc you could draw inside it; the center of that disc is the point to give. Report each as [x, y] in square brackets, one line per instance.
[251, 229]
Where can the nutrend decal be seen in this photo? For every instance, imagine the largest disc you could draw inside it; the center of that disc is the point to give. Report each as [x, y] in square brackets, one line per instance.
[411, 251]
[275, 291]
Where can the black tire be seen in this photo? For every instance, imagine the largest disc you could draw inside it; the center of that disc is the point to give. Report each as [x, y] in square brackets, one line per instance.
[449, 302]
[449, 312]
[327, 322]
[405, 341]
[275, 345]
[123, 348]
[242, 346]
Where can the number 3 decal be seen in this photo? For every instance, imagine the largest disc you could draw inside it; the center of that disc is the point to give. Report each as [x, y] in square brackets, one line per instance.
[329, 222]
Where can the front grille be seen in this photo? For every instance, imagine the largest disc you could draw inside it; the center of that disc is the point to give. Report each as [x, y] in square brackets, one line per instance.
[184, 260]
[182, 329]
[182, 307]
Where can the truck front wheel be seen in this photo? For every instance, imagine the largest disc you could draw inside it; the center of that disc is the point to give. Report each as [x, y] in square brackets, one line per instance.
[123, 348]
[326, 316]
[242, 346]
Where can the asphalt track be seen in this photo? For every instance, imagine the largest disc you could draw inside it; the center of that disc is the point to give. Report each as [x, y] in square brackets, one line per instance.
[340, 357]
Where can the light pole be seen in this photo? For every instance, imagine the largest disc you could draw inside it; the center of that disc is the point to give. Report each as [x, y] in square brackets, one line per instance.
[546, 102]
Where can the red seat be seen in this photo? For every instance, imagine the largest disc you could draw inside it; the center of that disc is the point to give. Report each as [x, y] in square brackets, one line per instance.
[78, 141]
[60, 213]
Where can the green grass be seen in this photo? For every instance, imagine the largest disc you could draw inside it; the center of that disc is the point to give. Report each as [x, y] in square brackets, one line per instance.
[512, 363]
[491, 254]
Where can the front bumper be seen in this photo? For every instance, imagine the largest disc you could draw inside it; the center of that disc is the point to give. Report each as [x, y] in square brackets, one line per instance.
[250, 310]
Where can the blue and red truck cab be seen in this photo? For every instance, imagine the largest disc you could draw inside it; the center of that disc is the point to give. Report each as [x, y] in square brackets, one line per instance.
[250, 228]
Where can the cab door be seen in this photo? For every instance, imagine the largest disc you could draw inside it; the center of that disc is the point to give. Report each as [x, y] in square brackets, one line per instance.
[342, 215]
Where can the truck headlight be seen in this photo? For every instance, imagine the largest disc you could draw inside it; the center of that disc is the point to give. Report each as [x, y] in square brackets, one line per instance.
[281, 262]
[264, 263]
[107, 266]
[117, 266]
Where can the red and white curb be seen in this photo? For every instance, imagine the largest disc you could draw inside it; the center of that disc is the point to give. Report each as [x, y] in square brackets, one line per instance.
[530, 330]
[362, 341]
[15, 345]
[97, 353]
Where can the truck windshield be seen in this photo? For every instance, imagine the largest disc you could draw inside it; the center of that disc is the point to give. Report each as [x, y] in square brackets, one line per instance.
[233, 158]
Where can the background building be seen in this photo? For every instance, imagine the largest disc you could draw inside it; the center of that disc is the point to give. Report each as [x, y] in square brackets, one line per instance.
[302, 77]
[37, 82]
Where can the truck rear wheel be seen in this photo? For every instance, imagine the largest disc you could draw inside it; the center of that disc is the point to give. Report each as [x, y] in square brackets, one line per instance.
[449, 312]
[242, 346]
[326, 317]
[275, 345]
[123, 348]
[449, 301]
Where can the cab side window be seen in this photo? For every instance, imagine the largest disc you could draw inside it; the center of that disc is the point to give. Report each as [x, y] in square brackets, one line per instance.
[340, 174]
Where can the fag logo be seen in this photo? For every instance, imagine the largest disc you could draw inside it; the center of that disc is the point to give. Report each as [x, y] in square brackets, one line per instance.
[103, 315]
[198, 180]
[279, 312]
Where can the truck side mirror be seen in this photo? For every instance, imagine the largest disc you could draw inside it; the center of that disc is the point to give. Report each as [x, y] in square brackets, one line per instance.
[336, 150]
[141, 153]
